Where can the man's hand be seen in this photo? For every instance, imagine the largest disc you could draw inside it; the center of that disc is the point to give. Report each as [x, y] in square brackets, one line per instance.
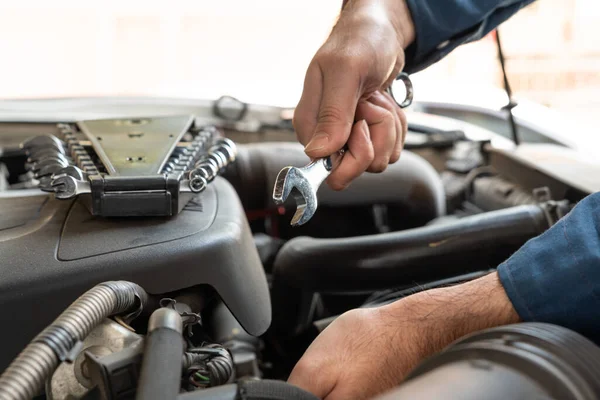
[368, 351]
[344, 100]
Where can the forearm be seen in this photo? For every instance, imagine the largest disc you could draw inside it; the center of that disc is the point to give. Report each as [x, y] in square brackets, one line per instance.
[435, 318]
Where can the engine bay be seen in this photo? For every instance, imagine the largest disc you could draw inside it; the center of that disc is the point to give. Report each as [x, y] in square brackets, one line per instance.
[181, 206]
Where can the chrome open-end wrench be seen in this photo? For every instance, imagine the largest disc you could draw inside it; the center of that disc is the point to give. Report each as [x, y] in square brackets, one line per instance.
[66, 186]
[303, 183]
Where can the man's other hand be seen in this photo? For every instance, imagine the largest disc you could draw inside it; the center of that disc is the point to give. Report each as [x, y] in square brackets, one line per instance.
[344, 100]
[368, 351]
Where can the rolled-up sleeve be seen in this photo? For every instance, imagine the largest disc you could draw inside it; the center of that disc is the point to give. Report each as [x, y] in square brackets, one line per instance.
[442, 26]
[555, 277]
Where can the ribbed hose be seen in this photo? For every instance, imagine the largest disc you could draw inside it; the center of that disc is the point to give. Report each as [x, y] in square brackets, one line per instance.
[220, 369]
[25, 376]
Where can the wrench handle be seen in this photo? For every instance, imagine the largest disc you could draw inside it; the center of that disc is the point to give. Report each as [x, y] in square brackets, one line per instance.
[318, 170]
[330, 164]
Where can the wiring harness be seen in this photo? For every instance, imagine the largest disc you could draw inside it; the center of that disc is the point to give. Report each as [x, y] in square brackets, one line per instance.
[207, 366]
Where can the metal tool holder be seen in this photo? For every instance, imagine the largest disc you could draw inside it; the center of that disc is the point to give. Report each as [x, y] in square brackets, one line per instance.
[129, 167]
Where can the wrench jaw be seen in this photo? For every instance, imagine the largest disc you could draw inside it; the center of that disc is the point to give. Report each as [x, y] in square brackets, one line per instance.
[66, 187]
[282, 188]
[292, 181]
[305, 207]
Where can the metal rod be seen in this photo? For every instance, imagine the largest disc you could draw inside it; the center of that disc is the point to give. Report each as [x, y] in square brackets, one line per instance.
[511, 103]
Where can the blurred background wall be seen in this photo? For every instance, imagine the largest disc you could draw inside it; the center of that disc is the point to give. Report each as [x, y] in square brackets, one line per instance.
[259, 50]
[552, 51]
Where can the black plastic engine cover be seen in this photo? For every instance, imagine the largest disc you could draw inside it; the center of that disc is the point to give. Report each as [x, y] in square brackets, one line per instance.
[53, 251]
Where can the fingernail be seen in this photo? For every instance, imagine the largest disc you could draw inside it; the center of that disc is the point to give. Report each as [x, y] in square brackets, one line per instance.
[318, 142]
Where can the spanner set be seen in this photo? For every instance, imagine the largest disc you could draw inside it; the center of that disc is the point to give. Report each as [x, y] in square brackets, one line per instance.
[129, 167]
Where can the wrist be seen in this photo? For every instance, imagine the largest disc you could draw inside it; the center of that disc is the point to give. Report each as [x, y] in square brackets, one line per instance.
[382, 12]
[402, 21]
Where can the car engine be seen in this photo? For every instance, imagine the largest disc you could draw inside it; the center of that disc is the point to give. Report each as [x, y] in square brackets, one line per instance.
[143, 256]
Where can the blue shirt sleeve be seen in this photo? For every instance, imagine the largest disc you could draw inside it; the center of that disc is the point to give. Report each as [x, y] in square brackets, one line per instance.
[443, 25]
[555, 277]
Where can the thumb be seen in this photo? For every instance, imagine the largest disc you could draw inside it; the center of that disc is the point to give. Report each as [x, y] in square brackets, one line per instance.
[335, 117]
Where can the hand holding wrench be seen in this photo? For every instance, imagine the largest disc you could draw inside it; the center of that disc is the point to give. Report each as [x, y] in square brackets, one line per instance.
[303, 183]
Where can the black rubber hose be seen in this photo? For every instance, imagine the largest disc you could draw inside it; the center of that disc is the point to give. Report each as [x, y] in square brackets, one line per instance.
[386, 260]
[25, 376]
[160, 375]
[251, 390]
[520, 361]
[307, 265]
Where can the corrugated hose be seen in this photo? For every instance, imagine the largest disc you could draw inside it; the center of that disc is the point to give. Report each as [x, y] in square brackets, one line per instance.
[25, 376]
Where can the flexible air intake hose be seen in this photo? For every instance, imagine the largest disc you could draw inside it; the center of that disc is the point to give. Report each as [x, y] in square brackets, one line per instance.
[520, 361]
[25, 376]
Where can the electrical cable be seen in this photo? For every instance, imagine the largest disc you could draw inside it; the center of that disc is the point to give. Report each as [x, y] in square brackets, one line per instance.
[208, 366]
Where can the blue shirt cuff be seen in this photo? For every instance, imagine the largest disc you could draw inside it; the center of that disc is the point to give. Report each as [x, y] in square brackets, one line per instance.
[555, 277]
[442, 26]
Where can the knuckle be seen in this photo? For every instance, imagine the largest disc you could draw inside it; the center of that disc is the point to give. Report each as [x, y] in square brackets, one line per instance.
[345, 61]
[368, 154]
[379, 165]
[353, 60]
[301, 136]
[301, 115]
[338, 186]
[395, 156]
[387, 116]
[330, 114]
[339, 57]
[298, 122]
